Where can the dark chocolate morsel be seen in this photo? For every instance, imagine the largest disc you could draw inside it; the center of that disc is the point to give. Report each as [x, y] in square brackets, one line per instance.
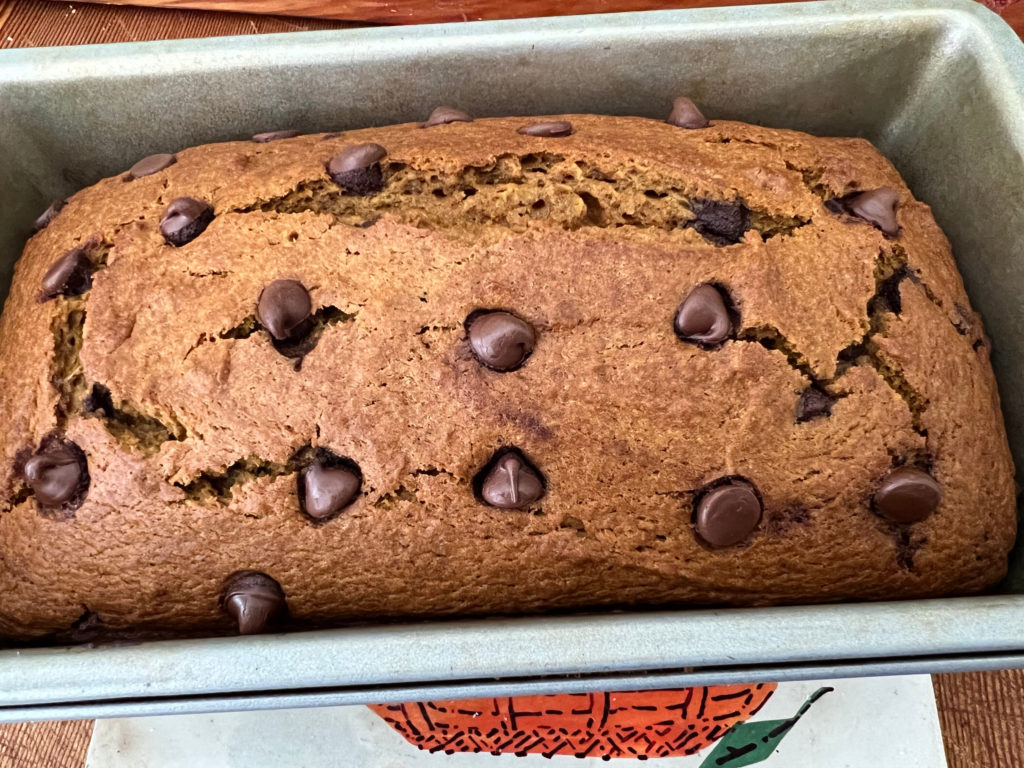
[552, 129]
[686, 115]
[328, 487]
[184, 220]
[721, 222]
[907, 495]
[263, 138]
[727, 514]
[875, 206]
[70, 275]
[285, 309]
[48, 215]
[57, 473]
[511, 482]
[500, 340]
[254, 600]
[147, 166]
[704, 318]
[357, 170]
[813, 403]
[443, 115]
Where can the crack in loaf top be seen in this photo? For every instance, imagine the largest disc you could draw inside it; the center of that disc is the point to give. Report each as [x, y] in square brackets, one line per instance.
[208, 438]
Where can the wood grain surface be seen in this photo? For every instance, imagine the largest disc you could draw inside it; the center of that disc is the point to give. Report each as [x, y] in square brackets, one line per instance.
[34, 23]
[982, 717]
[45, 745]
[436, 11]
[982, 714]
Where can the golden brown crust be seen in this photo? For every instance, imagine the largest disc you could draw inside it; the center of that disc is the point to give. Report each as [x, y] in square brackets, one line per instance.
[191, 481]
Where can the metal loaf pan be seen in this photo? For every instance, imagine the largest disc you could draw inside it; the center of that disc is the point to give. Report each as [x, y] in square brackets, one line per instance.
[938, 86]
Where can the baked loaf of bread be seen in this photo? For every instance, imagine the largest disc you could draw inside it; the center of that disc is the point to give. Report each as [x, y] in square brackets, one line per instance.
[491, 367]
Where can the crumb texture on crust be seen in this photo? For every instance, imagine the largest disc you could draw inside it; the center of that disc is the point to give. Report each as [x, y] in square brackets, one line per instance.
[196, 427]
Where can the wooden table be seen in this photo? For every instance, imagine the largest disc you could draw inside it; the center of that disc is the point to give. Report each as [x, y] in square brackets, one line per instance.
[982, 714]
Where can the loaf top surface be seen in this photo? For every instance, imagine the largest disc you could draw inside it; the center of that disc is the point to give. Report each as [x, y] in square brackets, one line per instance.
[849, 353]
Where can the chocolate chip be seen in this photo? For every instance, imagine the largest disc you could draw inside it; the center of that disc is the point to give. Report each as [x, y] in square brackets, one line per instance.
[357, 170]
[328, 485]
[48, 215]
[721, 222]
[184, 220]
[509, 481]
[875, 206]
[704, 317]
[727, 513]
[686, 115]
[499, 339]
[254, 600]
[263, 138]
[147, 166]
[813, 404]
[444, 115]
[58, 474]
[285, 309]
[70, 275]
[553, 129]
[907, 495]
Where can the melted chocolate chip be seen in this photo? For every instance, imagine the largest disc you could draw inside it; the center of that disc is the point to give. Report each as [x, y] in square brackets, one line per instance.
[254, 600]
[686, 115]
[285, 309]
[553, 129]
[727, 514]
[721, 222]
[704, 317]
[263, 138]
[875, 206]
[357, 170]
[184, 220]
[147, 166]
[499, 339]
[813, 404]
[328, 485]
[48, 215]
[444, 115]
[58, 474]
[509, 481]
[70, 275]
[907, 495]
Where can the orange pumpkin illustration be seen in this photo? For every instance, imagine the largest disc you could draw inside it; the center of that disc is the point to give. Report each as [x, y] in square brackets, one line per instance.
[638, 724]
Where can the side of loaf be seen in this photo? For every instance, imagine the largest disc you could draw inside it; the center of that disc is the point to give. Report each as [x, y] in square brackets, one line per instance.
[491, 367]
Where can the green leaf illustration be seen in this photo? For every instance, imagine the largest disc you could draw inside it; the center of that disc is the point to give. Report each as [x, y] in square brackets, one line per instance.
[749, 743]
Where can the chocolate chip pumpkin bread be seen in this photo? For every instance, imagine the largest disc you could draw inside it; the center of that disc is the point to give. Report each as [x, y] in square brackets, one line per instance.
[494, 366]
